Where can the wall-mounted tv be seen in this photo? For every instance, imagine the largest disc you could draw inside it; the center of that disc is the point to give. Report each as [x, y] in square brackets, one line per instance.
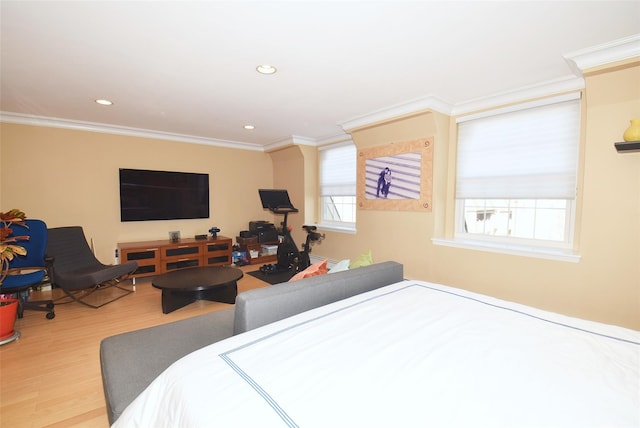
[163, 195]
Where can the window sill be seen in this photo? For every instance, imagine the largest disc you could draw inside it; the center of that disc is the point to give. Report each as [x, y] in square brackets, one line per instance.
[540, 253]
[336, 228]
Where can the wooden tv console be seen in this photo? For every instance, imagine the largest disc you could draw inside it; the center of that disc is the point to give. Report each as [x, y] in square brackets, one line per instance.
[158, 257]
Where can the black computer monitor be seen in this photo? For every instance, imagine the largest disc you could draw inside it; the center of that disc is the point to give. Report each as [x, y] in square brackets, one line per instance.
[276, 200]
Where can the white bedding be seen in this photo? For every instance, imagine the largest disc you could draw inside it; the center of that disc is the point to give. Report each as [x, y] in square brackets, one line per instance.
[410, 354]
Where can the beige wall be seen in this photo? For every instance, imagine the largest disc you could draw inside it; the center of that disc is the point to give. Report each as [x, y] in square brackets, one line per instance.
[394, 235]
[70, 177]
[289, 174]
[603, 286]
[296, 169]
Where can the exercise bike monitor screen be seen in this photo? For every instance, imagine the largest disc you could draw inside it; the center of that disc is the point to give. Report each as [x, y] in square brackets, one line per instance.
[276, 200]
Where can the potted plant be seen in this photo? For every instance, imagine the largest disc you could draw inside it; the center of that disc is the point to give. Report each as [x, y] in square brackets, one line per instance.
[8, 250]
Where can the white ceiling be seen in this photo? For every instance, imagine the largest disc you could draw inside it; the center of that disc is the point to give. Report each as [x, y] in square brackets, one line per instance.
[188, 68]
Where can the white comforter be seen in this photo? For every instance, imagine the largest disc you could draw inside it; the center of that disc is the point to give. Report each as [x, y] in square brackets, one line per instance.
[412, 354]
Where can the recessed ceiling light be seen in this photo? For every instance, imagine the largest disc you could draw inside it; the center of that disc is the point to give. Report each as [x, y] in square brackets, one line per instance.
[249, 127]
[104, 102]
[266, 69]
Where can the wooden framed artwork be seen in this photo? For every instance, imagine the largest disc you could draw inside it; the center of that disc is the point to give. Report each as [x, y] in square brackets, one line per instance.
[396, 176]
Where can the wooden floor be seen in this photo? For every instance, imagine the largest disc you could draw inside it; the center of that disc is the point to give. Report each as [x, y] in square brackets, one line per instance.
[50, 377]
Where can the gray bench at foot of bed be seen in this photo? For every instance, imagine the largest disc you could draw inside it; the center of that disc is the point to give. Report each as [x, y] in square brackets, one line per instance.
[131, 361]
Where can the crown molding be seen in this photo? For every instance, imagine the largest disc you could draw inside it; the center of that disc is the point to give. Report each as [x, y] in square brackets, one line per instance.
[412, 107]
[554, 87]
[565, 84]
[294, 140]
[336, 139]
[51, 122]
[606, 53]
[303, 141]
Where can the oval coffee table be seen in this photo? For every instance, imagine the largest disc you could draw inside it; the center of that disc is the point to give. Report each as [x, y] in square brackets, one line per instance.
[184, 286]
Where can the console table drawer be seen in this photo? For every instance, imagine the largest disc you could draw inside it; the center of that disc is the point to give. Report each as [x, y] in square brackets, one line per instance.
[218, 253]
[146, 270]
[185, 262]
[140, 255]
[180, 251]
[148, 260]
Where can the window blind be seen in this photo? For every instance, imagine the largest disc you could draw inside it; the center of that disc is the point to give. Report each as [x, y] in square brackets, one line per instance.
[521, 154]
[338, 170]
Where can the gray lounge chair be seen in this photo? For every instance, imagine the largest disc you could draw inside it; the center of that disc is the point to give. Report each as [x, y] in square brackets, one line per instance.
[76, 270]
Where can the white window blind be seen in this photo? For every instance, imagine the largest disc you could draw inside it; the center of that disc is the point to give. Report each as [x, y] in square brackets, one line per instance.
[529, 153]
[338, 170]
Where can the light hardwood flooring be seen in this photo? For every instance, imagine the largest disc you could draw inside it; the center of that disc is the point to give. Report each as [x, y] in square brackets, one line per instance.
[50, 377]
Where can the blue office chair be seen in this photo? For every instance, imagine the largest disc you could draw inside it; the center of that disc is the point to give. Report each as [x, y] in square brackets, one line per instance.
[30, 270]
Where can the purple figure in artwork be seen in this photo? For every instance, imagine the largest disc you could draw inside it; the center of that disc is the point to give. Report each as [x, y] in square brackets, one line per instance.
[384, 182]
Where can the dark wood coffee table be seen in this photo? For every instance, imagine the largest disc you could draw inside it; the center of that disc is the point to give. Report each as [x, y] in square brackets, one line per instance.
[184, 286]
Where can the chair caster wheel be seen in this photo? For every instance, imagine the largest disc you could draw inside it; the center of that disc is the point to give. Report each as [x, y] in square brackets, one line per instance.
[51, 315]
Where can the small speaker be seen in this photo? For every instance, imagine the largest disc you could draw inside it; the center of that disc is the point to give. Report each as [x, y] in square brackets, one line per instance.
[270, 235]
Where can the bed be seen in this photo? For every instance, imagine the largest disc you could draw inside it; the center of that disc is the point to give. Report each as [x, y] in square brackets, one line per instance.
[408, 354]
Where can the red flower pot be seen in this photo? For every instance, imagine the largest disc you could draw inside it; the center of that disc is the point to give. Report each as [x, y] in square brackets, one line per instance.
[8, 312]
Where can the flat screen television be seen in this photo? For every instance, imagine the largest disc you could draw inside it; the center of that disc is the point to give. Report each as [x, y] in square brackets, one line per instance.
[163, 195]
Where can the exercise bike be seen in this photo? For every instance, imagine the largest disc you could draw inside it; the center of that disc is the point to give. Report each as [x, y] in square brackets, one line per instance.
[289, 257]
[292, 259]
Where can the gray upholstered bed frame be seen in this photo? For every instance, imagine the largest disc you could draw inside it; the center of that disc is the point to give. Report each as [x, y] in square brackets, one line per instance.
[131, 361]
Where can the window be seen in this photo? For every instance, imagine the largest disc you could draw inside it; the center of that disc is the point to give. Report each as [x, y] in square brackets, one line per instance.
[517, 174]
[338, 185]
